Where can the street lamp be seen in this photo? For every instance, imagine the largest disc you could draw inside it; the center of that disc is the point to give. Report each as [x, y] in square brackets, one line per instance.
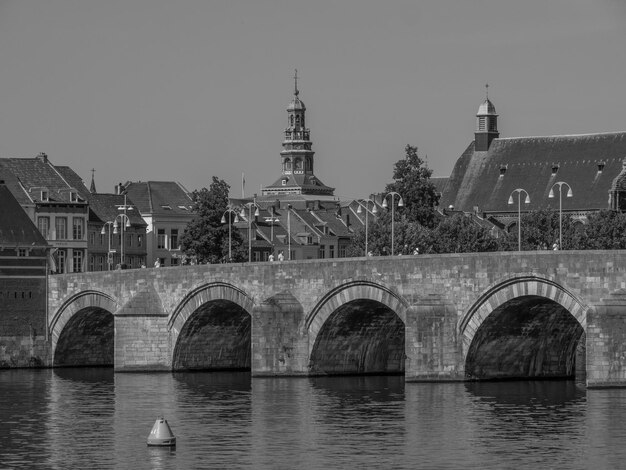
[551, 195]
[359, 211]
[125, 223]
[289, 231]
[519, 192]
[243, 214]
[230, 224]
[103, 232]
[400, 204]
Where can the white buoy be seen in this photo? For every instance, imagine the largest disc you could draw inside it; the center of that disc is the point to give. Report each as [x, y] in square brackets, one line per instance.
[161, 434]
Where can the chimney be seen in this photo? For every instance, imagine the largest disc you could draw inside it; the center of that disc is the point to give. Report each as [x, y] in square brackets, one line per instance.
[43, 157]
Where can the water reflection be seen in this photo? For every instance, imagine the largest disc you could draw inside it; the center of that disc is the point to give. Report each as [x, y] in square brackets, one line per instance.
[92, 418]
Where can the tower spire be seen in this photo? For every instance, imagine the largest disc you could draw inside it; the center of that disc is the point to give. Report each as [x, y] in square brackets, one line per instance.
[92, 189]
[487, 91]
[295, 78]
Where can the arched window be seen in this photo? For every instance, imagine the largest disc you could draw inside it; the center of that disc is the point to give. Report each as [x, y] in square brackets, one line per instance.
[291, 120]
[298, 164]
[297, 120]
[288, 164]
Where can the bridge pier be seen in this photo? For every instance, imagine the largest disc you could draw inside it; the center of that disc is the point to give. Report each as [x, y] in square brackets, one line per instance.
[279, 346]
[606, 342]
[432, 352]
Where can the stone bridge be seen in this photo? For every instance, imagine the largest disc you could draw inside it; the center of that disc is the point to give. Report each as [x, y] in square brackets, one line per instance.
[542, 314]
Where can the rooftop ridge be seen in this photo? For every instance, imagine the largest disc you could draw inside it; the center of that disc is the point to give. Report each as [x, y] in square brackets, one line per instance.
[557, 136]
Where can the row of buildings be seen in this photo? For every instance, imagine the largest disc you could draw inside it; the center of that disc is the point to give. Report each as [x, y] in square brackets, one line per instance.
[298, 215]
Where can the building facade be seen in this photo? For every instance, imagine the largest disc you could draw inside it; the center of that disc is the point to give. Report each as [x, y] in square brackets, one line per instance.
[54, 205]
[487, 175]
[166, 208]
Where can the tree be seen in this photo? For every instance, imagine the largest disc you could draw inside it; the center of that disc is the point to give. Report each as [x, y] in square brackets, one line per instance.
[461, 234]
[605, 230]
[206, 238]
[412, 181]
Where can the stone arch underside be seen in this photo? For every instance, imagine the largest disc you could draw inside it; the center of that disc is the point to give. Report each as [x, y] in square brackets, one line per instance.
[525, 328]
[358, 329]
[83, 331]
[211, 330]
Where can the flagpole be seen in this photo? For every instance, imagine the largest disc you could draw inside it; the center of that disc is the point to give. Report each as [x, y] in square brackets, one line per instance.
[243, 186]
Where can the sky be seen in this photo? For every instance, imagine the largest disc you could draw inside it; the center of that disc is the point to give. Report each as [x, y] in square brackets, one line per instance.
[157, 90]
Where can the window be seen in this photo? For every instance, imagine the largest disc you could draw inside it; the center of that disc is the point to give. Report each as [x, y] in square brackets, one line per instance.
[77, 261]
[73, 196]
[101, 238]
[342, 251]
[161, 239]
[331, 249]
[61, 228]
[43, 223]
[44, 195]
[139, 241]
[482, 123]
[174, 239]
[257, 256]
[322, 251]
[92, 239]
[92, 263]
[492, 125]
[59, 257]
[78, 225]
[174, 261]
[22, 252]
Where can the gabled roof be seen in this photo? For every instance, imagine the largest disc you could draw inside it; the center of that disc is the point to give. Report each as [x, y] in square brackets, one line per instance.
[588, 163]
[159, 197]
[106, 208]
[16, 228]
[32, 175]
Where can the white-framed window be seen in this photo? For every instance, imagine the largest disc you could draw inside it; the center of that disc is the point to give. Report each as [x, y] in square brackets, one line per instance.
[77, 261]
[161, 239]
[78, 228]
[174, 239]
[45, 196]
[43, 224]
[60, 224]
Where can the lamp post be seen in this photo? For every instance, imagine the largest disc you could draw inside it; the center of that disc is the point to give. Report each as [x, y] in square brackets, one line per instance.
[569, 194]
[289, 231]
[359, 211]
[400, 204]
[243, 214]
[519, 192]
[103, 232]
[125, 223]
[230, 224]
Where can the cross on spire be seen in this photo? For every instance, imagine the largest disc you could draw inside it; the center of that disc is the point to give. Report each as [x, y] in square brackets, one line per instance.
[295, 77]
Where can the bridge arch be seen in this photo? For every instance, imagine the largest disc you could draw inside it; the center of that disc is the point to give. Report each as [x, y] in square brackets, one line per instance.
[211, 328]
[535, 313]
[356, 328]
[88, 313]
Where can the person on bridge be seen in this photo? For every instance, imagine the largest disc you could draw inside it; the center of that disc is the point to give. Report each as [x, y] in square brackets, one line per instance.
[271, 257]
[280, 256]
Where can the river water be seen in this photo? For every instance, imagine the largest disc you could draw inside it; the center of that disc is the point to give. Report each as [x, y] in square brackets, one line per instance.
[93, 418]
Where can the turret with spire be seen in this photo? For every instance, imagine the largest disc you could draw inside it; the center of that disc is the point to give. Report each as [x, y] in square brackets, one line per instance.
[486, 124]
[297, 163]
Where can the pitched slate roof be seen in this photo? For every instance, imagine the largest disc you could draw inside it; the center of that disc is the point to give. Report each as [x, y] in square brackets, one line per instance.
[106, 208]
[588, 163]
[159, 197]
[32, 175]
[16, 228]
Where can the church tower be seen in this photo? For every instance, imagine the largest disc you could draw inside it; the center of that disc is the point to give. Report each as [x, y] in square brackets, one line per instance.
[296, 158]
[486, 124]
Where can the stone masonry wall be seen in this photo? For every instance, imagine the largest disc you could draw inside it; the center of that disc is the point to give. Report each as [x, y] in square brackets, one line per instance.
[459, 280]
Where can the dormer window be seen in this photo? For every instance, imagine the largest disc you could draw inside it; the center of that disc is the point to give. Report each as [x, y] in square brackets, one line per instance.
[600, 167]
[284, 182]
[555, 168]
[73, 196]
[45, 195]
[502, 170]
